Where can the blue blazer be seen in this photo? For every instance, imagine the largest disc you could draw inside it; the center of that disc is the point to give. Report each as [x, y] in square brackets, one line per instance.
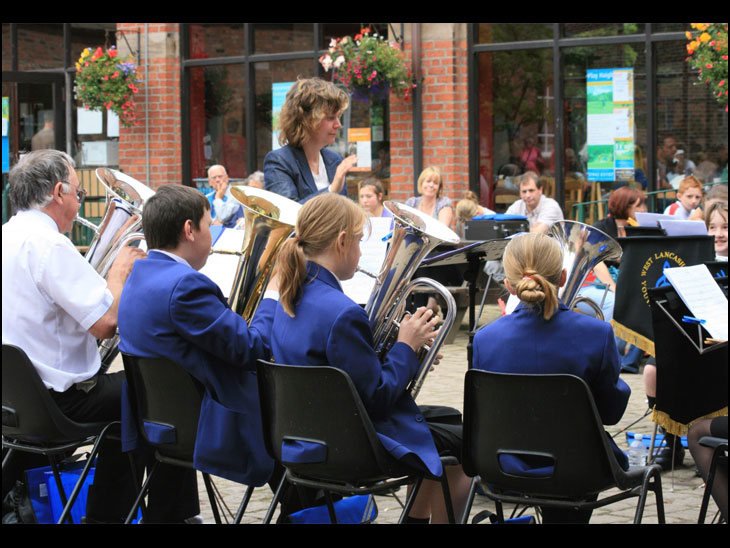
[168, 309]
[287, 172]
[569, 343]
[329, 328]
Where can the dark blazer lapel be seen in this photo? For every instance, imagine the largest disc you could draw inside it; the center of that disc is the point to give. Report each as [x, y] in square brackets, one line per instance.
[304, 171]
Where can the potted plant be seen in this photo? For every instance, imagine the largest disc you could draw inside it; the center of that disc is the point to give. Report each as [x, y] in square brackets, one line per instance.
[368, 65]
[106, 82]
[707, 50]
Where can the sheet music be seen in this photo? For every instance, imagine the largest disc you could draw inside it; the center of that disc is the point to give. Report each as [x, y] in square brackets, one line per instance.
[676, 227]
[652, 219]
[704, 298]
[229, 240]
[221, 268]
[373, 249]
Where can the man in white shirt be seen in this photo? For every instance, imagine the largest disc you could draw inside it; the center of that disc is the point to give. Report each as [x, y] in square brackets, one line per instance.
[541, 212]
[55, 306]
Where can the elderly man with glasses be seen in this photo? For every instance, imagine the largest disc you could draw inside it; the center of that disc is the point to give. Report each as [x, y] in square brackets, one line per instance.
[55, 306]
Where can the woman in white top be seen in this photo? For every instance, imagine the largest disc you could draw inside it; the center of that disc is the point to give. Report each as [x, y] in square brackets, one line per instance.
[431, 201]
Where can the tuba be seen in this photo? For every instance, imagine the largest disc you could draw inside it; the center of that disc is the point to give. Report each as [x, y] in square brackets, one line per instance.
[269, 219]
[414, 236]
[583, 248]
[120, 226]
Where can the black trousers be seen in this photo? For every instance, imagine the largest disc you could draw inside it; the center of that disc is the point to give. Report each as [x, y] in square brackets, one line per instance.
[173, 491]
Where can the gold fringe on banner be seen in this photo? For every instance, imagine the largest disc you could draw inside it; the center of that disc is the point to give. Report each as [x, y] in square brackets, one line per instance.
[632, 337]
[677, 428]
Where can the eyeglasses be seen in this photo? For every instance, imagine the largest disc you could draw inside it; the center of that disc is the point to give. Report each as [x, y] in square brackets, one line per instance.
[80, 193]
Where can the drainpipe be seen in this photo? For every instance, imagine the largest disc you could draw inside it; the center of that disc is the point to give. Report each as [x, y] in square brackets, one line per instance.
[417, 106]
[147, 102]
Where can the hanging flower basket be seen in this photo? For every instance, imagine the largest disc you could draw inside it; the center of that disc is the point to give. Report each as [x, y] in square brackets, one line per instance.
[368, 66]
[707, 50]
[105, 82]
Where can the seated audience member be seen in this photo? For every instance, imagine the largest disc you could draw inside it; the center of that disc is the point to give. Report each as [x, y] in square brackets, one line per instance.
[716, 221]
[541, 212]
[467, 209]
[256, 179]
[169, 309]
[55, 306]
[717, 193]
[316, 324]
[538, 337]
[715, 427]
[431, 200]
[224, 209]
[309, 121]
[371, 198]
[689, 194]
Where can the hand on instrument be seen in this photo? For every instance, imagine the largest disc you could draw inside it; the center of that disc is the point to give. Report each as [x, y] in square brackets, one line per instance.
[122, 265]
[417, 329]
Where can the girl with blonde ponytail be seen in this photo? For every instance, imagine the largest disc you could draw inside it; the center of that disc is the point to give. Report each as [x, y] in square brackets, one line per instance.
[315, 324]
[542, 336]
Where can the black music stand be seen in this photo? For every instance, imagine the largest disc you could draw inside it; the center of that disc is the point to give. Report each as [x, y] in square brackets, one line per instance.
[471, 258]
[691, 375]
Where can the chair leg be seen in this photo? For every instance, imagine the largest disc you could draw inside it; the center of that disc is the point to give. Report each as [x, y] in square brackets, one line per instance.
[447, 498]
[330, 507]
[469, 500]
[211, 497]
[89, 463]
[243, 505]
[59, 484]
[411, 499]
[708, 486]
[142, 493]
[275, 501]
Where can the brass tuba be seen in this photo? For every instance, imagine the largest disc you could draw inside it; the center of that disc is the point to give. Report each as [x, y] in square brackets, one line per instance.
[414, 236]
[583, 248]
[120, 226]
[269, 219]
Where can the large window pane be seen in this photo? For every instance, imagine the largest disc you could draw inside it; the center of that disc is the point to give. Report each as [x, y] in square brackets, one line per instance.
[492, 33]
[283, 37]
[515, 120]
[688, 115]
[217, 119]
[589, 30]
[215, 40]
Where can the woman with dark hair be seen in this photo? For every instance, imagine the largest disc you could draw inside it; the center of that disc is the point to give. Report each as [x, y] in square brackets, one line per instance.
[308, 123]
[623, 204]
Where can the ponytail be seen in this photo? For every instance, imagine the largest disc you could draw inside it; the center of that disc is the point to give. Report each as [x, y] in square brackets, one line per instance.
[533, 264]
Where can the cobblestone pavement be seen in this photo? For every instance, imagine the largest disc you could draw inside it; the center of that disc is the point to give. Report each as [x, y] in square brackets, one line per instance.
[682, 489]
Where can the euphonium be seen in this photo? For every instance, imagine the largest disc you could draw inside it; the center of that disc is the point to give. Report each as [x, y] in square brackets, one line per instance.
[414, 236]
[120, 225]
[269, 219]
[583, 248]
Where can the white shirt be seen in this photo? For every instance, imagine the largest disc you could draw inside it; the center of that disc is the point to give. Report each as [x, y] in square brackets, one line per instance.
[547, 211]
[321, 180]
[51, 297]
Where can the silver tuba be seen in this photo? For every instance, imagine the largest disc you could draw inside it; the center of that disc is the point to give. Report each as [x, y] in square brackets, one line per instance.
[269, 219]
[414, 236]
[583, 248]
[120, 226]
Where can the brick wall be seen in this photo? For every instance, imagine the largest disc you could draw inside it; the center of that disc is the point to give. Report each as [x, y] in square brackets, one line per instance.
[444, 115]
[161, 117]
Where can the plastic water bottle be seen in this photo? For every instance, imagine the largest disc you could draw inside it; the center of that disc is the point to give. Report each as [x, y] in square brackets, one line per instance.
[637, 452]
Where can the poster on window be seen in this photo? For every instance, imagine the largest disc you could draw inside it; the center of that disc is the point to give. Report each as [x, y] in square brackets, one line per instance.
[610, 124]
[278, 96]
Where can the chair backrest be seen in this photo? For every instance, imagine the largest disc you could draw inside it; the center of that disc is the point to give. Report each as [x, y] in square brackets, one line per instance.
[29, 413]
[551, 416]
[165, 402]
[319, 407]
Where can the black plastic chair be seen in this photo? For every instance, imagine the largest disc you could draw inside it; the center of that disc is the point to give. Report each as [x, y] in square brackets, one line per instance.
[552, 417]
[33, 423]
[320, 405]
[164, 395]
[719, 454]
